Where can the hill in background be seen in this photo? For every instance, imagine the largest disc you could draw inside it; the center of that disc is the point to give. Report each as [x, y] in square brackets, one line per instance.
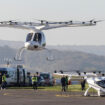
[64, 59]
[98, 50]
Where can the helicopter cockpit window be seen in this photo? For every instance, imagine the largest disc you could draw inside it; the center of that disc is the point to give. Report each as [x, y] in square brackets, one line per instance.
[37, 37]
[29, 37]
[101, 83]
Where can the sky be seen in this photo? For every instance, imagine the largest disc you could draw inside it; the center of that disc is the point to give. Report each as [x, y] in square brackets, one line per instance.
[56, 10]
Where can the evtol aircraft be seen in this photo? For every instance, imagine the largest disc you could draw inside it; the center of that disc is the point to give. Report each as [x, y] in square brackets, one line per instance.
[94, 80]
[35, 39]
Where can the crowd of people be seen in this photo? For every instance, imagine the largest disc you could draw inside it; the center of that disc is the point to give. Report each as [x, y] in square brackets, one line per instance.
[64, 82]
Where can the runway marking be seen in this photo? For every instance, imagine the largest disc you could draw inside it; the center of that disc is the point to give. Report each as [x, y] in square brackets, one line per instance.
[59, 95]
[62, 95]
[6, 94]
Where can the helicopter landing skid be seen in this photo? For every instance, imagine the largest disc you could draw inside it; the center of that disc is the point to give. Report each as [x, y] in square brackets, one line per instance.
[50, 56]
[18, 56]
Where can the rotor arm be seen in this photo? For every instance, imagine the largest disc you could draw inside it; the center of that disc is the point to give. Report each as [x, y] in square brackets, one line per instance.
[67, 24]
[17, 25]
[46, 25]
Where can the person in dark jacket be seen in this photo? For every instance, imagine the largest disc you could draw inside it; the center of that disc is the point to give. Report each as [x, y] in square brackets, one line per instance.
[83, 82]
[63, 83]
[0, 80]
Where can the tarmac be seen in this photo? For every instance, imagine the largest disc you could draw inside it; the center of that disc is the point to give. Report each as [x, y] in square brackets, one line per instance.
[40, 97]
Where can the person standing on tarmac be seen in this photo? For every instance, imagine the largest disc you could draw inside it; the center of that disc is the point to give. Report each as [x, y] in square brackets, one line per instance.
[3, 86]
[83, 82]
[63, 82]
[34, 82]
[0, 80]
[66, 82]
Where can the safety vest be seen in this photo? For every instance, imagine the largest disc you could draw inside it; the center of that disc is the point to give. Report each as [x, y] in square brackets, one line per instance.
[3, 78]
[34, 79]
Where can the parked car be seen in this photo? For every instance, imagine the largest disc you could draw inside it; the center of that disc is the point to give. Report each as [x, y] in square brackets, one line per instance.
[46, 79]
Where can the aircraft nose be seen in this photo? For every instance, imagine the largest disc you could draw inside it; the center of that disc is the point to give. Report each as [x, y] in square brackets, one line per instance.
[27, 45]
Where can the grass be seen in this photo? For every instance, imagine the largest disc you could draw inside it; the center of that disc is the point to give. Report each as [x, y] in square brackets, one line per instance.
[72, 88]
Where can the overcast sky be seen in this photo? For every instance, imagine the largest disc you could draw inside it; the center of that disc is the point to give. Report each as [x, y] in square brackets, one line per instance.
[56, 10]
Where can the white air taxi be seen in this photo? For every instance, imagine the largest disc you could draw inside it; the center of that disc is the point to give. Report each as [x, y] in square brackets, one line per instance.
[94, 81]
[97, 83]
[35, 39]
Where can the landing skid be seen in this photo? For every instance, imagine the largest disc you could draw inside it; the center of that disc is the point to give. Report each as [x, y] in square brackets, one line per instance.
[50, 56]
[99, 92]
[18, 56]
[86, 92]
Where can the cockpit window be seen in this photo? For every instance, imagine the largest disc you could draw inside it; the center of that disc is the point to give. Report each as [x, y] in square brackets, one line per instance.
[29, 37]
[101, 83]
[37, 37]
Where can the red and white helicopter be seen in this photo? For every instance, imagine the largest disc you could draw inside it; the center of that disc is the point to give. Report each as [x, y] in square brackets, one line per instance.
[35, 39]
